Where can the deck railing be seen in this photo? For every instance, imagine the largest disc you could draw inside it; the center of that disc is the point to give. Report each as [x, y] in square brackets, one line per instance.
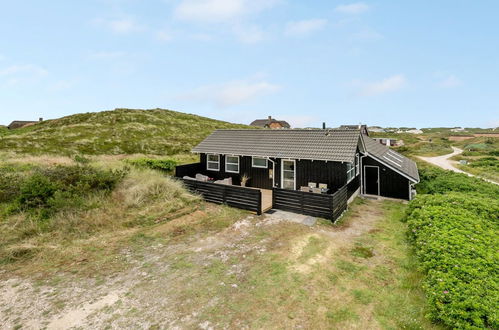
[240, 197]
[329, 206]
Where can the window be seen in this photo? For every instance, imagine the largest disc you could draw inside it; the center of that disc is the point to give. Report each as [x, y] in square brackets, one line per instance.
[259, 162]
[350, 172]
[288, 174]
[213, 162]
[232, 164]
[357, 164]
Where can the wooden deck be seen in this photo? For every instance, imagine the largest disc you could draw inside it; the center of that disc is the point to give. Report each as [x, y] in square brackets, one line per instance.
[266, 199]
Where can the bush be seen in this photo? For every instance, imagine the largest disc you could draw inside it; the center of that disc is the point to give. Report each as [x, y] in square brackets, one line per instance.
[166, 165]
[54, 188]
[10, 184]
[456, 236]
[36, 191]
[438, 181]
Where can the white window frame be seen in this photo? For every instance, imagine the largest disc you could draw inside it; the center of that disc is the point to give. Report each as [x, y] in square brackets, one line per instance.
[258, 166]
[357, 164]
[350, 170]
[282, 172]
[208, 162]
[227, 163]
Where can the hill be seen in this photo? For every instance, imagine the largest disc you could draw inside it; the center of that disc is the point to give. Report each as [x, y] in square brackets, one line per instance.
[120, 131]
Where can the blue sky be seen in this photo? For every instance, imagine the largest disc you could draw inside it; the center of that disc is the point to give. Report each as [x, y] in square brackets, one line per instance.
[388, 63]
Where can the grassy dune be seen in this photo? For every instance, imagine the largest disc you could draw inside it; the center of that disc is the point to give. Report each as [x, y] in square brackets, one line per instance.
[121, 131]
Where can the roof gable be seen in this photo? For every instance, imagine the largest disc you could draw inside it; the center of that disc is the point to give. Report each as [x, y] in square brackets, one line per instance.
[328, 145]
[391, 158]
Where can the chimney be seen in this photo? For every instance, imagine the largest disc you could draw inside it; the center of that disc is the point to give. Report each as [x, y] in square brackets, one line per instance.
[323, 125]
[270, 117]
[40, 119]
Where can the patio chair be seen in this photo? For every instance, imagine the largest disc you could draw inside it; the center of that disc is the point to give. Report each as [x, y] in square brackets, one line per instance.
[188, 177]
[305, 189]
[312, 185]
[322, 185]
[201, 177]
[317, 190]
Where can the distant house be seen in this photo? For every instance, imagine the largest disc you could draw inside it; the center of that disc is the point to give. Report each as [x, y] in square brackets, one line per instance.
[414, 131]
[376, 129]
[389, 142]
[270, 123]
[22, 123]
[362, 128]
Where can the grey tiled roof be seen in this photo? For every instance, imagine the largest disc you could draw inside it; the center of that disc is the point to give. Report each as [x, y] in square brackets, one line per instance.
[330, 145]
[391, 158]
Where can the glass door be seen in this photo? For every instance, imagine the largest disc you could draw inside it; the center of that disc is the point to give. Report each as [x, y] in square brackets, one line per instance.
[288, 174]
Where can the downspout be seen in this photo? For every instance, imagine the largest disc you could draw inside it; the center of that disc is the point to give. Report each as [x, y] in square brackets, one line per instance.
[273, 169]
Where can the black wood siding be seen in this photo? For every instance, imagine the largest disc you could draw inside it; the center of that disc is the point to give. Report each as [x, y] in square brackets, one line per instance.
[353, 186]
[391, 183]
[259, 177]
[331, 173]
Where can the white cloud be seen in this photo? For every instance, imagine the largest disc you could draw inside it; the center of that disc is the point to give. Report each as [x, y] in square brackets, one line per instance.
[305, 27]
[106, 55]
[120, 25]
[367, 35]
[387, 85]
[232, 93]
[22, 73]
[353, 8]
[248, 34]
[450, 82]
[220, 11]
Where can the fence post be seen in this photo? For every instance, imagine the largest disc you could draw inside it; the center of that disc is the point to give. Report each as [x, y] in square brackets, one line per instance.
[259, 209]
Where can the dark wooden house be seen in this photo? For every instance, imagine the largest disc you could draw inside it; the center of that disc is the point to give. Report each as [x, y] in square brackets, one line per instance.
[22, 123]
[315, 162]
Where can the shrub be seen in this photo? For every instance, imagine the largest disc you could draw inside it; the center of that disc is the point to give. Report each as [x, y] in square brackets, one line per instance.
[166, 165]
[48, 190]
[438, 181]
[10, 184]
[455, 236]
[36, 191]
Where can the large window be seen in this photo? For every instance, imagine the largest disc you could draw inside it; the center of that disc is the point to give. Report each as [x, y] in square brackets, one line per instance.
[288, 174]
[213, 162]
[350, 172]
[357, 164]
[259, 162]
[232, 164]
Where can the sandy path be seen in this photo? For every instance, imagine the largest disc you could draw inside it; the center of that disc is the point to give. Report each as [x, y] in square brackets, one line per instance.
[446, 163]
[151, 292]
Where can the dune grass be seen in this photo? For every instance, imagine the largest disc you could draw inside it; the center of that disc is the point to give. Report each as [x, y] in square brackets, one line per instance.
[121, 131]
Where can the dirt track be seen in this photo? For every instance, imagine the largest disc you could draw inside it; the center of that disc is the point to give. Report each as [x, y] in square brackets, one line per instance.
[446, 163]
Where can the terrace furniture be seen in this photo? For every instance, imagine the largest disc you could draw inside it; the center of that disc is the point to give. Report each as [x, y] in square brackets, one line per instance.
[305, 189]
[227, 181]
[312, 185]
[188, 177]
[201, 177]
[322, 185]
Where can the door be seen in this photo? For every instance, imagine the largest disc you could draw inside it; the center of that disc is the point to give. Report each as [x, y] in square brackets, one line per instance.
[288, 174]
[371, 180]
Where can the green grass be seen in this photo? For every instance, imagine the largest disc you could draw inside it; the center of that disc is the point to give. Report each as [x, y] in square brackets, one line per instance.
[121, 131]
